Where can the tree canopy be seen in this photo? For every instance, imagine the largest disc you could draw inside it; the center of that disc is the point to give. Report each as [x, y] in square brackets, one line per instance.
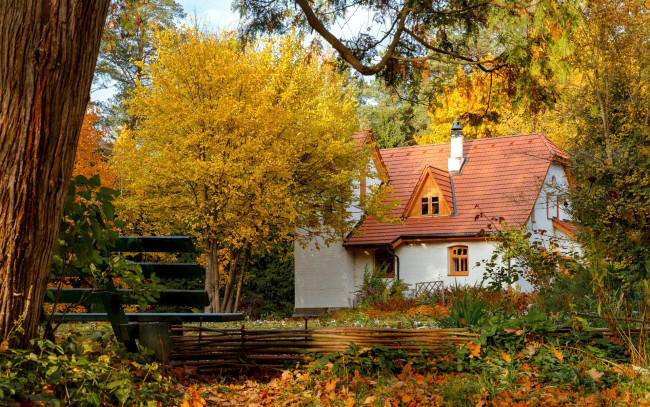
[240, 145]
[526, 38]
[128, 39]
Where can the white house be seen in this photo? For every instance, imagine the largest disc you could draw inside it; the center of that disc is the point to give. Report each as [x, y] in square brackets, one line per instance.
[449, 194]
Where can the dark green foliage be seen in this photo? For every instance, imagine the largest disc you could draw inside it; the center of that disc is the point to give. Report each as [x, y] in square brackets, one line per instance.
[72, 373]
[369, 362]
[84, 254]
[468, 308]
[529, 38]
[375, 288]
[269, 286]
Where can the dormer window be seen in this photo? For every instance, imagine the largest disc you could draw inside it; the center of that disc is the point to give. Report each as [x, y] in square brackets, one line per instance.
[430, 205]
[432, 195]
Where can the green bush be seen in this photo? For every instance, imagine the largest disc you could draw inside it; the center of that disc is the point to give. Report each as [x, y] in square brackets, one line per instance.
[468, 308]
[72, 373]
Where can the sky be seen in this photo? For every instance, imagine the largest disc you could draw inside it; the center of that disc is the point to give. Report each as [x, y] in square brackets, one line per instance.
[217, 15]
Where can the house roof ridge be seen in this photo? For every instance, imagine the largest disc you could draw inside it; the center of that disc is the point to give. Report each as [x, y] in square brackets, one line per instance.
[479, 140]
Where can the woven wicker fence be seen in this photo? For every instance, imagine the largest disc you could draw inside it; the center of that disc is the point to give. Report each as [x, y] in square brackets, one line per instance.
[213, 349]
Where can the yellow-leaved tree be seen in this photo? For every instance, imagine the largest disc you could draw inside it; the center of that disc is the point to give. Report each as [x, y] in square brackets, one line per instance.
[485, 110]
[240, 146]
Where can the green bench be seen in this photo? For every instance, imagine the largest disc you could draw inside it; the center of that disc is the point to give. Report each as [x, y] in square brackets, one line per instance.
[151, 329]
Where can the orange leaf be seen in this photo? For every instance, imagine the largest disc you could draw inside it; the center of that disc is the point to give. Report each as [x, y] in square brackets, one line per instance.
[330, 386]
[558, 354]
[506, 357]
[474, 350]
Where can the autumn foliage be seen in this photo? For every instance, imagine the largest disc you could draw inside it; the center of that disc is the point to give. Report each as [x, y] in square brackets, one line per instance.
[90, 159]
[240, 145]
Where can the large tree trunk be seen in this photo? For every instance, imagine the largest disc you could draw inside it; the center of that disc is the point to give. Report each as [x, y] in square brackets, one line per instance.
[48, 51]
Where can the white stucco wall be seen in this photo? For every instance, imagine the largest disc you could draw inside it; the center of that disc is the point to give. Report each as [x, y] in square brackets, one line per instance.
[322, 276]
[539, 220]
[421, 262]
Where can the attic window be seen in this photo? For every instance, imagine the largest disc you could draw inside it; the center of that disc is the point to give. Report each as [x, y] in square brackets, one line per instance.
[458, 261]
[430, 205]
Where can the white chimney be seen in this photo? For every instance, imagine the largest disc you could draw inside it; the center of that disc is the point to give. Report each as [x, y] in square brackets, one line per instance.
[455, 161]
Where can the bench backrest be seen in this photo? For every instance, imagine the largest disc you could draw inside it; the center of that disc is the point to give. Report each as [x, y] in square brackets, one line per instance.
[113, 299]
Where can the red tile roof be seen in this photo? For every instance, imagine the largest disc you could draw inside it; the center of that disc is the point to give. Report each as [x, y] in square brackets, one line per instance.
[501, 177]
[566, 227]
[366, 137]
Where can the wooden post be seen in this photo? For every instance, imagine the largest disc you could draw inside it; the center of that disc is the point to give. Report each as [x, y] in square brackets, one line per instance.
[155, 336]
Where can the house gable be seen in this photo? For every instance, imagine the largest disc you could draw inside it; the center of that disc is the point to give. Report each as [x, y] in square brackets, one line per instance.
[433, 187]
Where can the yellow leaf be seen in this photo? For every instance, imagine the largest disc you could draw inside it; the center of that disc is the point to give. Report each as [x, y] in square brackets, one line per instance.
[4, 346]
[369, 400]
[595, 374]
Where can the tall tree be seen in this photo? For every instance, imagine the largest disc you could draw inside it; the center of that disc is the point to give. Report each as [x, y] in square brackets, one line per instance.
[48, 51]
[240, 146]
[127, 43]
[610, 100]
[407, 34]
[394, 114]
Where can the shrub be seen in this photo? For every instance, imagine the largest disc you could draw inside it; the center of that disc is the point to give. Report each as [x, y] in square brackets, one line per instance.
[468, 308]
[377, 289]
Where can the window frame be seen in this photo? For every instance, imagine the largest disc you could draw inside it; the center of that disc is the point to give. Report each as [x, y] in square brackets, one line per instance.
[383, 256]
[432, 209]
[435, 212]
[425, 205]
[453, 256]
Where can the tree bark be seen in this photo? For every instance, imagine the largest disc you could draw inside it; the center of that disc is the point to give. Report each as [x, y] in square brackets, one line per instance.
[48, 51]
[212, 277]
[242, 274]
[230, 283]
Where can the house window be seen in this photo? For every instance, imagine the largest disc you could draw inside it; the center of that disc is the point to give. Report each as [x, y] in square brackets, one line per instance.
[458, 261]
[435, 205]
[385, 261]
[430, 205]
[553, 206]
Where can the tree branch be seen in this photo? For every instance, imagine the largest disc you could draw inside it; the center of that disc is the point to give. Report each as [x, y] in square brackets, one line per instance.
[343, 50]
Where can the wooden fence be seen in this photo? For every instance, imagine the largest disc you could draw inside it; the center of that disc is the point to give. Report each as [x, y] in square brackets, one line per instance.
[214, 349]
